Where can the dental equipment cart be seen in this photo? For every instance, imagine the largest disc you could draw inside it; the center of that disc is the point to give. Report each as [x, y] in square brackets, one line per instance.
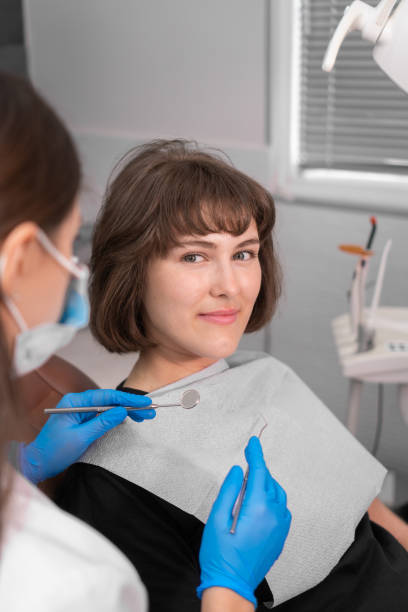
[385, 362]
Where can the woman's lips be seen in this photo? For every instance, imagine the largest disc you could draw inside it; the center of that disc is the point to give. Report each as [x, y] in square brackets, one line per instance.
[220, 317]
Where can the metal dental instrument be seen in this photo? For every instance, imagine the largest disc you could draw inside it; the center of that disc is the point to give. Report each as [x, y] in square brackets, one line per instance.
[189, 399]
[238, 504]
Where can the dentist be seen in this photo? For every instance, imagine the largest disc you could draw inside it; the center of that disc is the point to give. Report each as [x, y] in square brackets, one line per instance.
[48, 559]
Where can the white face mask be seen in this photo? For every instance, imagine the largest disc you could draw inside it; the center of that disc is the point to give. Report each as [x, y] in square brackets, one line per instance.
[33, 347]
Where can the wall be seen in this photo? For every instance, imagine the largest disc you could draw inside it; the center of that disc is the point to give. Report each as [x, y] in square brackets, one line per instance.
[124, 72]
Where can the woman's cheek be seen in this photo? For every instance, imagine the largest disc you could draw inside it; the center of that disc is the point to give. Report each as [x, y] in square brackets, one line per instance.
[253, 284]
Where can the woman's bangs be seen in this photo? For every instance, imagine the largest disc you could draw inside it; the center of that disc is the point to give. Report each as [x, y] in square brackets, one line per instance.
[202, 196]
[209, 217]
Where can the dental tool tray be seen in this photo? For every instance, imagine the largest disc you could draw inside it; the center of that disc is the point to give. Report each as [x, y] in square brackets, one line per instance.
[387, 361]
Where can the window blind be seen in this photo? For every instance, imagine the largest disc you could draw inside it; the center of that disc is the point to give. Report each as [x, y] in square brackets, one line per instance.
[354, 118]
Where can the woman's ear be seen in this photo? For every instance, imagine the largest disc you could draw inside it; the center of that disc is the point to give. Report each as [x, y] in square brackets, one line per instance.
[17, 255]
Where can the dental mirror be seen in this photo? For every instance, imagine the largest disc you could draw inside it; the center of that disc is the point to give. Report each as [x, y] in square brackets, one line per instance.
[189, 399]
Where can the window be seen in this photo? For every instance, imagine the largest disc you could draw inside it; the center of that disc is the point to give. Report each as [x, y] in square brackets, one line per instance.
[12, 51]
[340, 137]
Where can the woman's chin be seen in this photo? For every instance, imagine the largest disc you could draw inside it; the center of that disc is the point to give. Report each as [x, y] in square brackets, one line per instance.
[219, 350]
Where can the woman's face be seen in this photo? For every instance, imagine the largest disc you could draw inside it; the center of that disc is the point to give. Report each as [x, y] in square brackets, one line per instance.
[199, 297]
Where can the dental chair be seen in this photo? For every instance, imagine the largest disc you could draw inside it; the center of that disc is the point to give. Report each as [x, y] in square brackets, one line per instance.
[44, 388]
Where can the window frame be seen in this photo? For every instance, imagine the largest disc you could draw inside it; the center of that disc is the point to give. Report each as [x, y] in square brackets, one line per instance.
[379, 192]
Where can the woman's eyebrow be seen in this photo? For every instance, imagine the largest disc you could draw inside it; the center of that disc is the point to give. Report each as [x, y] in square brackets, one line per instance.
[212, 245]
[248, 242]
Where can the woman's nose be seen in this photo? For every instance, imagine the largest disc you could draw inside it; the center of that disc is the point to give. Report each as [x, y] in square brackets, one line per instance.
[224, 281]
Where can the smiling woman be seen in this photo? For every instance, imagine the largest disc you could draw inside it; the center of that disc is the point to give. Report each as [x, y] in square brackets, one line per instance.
[193, 215]
[203, 247]
[183, 265]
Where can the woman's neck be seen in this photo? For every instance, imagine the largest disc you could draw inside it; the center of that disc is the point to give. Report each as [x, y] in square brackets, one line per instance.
[155, 369]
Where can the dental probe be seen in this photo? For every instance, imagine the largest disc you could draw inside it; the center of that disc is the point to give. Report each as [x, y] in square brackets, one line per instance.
[238, 504]
[189, 400]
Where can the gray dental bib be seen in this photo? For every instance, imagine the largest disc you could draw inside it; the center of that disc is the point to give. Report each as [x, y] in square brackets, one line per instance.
[183, 457]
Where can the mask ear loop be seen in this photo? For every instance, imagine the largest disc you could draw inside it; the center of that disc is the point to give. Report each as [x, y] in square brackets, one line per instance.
[11, 307]
[15, 313]
[79, 271]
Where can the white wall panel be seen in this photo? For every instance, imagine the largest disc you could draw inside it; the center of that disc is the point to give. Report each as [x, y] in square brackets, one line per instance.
[153, 67]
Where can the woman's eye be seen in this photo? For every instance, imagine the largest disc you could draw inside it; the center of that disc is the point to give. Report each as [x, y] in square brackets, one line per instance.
[244, 255]
[193, 258]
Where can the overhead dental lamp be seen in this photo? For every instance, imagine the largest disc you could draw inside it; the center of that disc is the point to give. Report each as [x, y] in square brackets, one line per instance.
[386, 26]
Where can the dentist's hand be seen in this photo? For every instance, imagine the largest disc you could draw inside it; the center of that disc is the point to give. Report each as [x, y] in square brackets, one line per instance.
[241, 560]
[65, 437]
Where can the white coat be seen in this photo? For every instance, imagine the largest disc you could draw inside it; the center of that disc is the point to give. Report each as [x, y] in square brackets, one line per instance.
[52, 562]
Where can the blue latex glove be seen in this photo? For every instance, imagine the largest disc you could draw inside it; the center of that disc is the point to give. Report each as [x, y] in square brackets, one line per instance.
[241, 560]
[65, 437]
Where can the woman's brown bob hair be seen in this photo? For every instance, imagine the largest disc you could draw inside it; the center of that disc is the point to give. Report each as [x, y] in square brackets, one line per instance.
[40, 177]
[159, 192]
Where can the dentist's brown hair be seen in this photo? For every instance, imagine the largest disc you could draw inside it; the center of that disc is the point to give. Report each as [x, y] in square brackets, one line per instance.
[39, 180]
